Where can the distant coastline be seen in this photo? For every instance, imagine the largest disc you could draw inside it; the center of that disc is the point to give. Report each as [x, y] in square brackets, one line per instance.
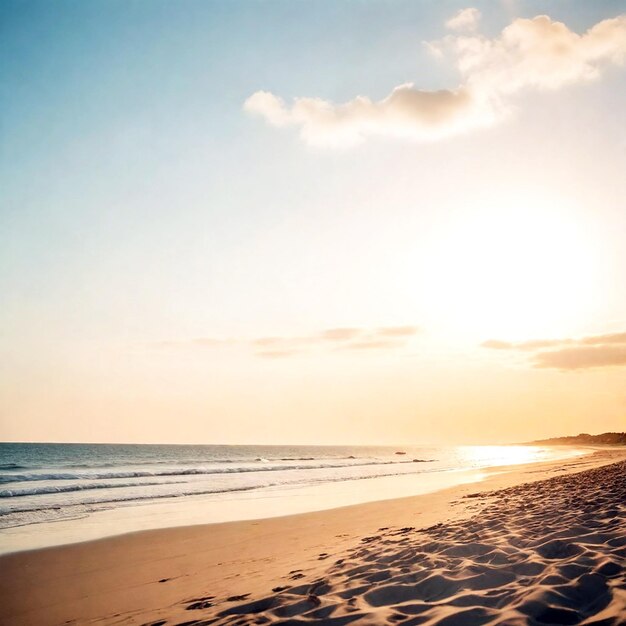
[611, 439]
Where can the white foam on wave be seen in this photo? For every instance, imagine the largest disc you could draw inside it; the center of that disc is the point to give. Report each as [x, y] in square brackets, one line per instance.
[188, 471]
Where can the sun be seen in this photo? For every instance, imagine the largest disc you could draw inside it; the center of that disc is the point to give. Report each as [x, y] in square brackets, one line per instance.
[516, 271]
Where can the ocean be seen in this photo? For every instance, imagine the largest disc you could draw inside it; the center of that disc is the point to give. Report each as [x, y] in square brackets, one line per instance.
[44, 487]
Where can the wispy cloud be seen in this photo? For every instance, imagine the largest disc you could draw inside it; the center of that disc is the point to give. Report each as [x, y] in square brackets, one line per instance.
[570, 354]
[464, 20]
[340, 334]
[605, 339]
[330, 339]
[580, 357]
[534, 344]
[537, 53]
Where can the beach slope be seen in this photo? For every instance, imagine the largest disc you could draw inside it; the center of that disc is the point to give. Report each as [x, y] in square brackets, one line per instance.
[537, 544]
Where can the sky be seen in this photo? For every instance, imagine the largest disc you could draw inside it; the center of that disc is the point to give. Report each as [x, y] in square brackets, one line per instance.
[307, 222]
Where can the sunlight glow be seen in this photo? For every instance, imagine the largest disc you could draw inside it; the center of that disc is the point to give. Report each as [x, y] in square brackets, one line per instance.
[496, 456]
[516, 272]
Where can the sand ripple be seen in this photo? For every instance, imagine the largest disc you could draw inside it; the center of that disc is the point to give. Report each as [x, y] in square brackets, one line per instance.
[552, 552]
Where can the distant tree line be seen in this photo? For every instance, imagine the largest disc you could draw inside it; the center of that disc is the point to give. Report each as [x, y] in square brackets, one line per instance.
[614, 439]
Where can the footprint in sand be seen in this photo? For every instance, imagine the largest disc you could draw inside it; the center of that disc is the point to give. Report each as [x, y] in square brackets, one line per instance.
[239, 598]
[200, 603]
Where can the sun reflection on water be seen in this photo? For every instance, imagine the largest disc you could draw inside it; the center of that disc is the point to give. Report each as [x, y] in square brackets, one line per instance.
[490, 456]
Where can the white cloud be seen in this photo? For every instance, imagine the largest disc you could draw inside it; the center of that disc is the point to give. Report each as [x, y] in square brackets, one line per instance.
[465, 19]
[405, 112]
[536, 53]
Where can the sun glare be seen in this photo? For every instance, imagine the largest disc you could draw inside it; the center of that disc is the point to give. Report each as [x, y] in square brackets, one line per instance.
[520, 272]
[495, 456]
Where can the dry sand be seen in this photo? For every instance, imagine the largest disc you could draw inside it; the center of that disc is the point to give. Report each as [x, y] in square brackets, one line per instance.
[537, 544]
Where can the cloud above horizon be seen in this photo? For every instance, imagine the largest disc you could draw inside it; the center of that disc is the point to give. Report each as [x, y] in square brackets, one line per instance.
[536, 53]
[464, 20]
[328, 340]
[582, 357]
[607, 350]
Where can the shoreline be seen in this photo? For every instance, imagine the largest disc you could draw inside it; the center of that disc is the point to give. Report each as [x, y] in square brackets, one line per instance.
[258, 503]
[146, 576]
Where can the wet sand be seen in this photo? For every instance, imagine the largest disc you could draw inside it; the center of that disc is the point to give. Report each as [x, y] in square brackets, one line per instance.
[536, 544]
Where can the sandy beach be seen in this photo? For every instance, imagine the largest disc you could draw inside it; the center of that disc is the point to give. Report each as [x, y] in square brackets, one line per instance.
[313, 312]
[534, 544]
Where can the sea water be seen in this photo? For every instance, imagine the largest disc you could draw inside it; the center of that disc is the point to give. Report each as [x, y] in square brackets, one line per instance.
[58, 493]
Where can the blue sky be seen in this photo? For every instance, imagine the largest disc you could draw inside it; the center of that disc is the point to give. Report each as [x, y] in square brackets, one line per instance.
[142, 204]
